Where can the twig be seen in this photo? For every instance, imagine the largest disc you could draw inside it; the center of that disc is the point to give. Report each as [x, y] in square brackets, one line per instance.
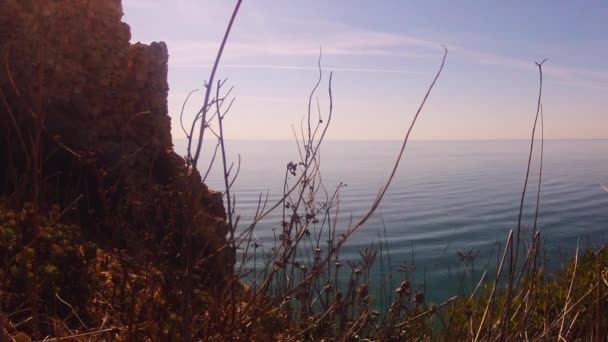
[210, 84]
[383, 190]
[498, 272]
[540, 170]
[73, 311]
[515, 252]
[67, 209]
[212, 161]
[76, 336]
[569, 294]
[181, 114]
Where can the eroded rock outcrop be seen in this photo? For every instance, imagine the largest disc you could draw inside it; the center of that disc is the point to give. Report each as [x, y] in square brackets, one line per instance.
[71, 61]
[84, 121]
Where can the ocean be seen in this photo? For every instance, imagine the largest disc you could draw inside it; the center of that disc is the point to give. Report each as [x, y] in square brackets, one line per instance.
[448, 199]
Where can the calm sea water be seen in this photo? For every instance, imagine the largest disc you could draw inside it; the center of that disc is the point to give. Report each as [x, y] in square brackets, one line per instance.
[447, 197]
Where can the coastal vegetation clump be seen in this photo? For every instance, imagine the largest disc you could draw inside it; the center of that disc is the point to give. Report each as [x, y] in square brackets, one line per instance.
[130, 245]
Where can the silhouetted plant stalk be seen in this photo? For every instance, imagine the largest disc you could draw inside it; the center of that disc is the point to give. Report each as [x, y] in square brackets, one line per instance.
[300, 282]
[192, 163]
[514, 252]
[300, 265]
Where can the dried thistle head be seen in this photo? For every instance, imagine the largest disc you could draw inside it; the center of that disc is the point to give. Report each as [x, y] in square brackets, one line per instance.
[363, 290]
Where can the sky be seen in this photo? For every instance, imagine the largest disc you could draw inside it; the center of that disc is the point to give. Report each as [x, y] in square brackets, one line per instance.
[383, 55]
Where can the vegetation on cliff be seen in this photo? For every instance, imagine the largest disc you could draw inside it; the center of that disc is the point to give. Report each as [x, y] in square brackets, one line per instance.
[107, 234]
[94, 201]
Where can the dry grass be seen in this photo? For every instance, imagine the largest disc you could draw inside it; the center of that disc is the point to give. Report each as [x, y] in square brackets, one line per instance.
[58, 285]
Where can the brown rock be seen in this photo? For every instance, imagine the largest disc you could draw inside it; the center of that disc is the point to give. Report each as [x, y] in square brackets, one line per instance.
[101, 105]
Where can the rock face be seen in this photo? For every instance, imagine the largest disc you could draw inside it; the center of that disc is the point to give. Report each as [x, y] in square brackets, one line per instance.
[72, 61]
[84, 119]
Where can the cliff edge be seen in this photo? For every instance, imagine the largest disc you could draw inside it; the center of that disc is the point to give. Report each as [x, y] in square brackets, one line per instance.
[86, 149]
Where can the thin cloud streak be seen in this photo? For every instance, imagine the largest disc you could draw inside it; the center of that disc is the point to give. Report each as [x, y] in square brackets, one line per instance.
[189, 51]
[355, 42]
[298, 68]
[565, 75]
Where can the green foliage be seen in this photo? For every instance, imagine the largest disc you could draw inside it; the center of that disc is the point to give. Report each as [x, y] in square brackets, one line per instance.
[541, 303]
[42, 260]
[50, 268]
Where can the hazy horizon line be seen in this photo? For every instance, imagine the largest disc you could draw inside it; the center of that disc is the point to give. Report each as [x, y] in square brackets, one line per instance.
[396, 140]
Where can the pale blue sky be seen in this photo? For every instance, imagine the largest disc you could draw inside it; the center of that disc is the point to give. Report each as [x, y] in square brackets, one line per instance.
[384, 55]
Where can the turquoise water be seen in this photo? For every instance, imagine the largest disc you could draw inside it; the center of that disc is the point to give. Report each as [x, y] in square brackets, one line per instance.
[447, 197]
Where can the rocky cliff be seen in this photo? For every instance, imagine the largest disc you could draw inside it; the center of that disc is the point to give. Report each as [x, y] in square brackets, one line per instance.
[85, 134]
